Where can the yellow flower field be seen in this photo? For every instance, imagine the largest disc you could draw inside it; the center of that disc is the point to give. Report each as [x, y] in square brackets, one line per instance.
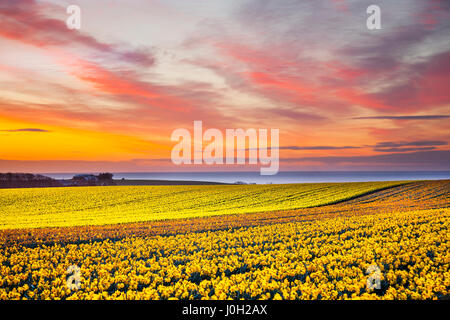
[387, 244]
[78, 206]
[322, 259]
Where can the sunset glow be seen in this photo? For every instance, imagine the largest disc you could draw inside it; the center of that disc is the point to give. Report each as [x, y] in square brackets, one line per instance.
[108, 96]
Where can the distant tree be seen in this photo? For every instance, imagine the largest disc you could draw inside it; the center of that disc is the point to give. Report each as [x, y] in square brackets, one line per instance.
[105, 176]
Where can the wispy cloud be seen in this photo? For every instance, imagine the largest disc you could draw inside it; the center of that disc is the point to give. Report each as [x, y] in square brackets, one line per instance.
[403, 149]
[25, 20]
[388, 146]
[425, 117]
[318, 148]
[419, 143]
[427, 159]
[26, 130]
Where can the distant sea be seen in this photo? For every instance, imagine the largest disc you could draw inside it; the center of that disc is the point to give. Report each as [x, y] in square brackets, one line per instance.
[280, 177]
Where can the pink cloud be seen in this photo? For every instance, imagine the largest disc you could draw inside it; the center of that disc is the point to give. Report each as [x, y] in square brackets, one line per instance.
[426, 88]
[25, 21]
[281, 76]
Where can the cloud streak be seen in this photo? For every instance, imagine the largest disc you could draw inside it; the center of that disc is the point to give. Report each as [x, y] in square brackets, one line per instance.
[425, 159]
[26, 130]
[391, 144]
[424, 117]
[25, 20]
[403, 149]
[318, 148]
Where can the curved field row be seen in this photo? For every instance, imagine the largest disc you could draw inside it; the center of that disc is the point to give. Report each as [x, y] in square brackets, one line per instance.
[427, 192]
[413, 196]
[81, 206]
[308, 253]
[321, 259]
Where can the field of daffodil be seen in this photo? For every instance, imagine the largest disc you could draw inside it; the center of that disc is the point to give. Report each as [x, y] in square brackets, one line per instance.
[323, 252]
[78, 206]
[322, 259]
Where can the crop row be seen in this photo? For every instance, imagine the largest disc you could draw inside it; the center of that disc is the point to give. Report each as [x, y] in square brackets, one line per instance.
[81, 206]
[321, 259]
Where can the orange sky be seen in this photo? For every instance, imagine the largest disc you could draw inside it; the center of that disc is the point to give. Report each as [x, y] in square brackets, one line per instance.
[109, 95]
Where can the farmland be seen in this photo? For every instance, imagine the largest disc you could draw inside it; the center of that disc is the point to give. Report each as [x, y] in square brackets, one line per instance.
[315, 245]
[77, 206]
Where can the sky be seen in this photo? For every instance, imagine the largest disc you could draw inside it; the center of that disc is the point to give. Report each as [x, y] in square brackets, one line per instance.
[108, 96]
